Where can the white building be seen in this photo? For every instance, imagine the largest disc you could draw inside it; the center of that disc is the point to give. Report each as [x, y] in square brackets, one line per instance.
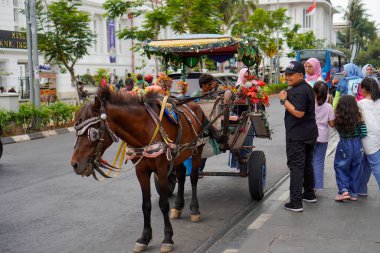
[14, 62]
[320, 22]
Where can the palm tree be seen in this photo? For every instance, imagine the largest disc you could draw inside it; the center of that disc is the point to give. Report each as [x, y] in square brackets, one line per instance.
[360, 30]
[235, 11]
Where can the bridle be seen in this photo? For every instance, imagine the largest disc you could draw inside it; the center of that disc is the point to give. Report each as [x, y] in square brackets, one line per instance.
[94, 134]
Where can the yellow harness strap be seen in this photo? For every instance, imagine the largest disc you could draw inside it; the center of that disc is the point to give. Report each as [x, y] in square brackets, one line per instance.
[163, 105]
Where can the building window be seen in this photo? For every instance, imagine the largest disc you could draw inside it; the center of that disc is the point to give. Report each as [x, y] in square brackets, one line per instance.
[15, 15]
[307, 21]
[96, 37]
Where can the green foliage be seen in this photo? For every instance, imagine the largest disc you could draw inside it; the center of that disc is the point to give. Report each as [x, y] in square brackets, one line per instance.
[65, 34]
[274, 88]
[297, 41]
[371, 55]
[262, 25]
[183, 16]
[360, 32]
[61, 112]
[28, 115]
[100, 73]
[117, 8]
[87, 79]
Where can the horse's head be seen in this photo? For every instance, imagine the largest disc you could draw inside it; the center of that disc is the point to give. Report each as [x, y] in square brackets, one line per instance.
[93, 137]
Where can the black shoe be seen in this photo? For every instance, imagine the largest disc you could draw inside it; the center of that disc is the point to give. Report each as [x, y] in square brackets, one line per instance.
[309, 197]
[291, 207]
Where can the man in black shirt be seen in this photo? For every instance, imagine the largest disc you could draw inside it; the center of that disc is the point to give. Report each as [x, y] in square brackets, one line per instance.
[301, 135]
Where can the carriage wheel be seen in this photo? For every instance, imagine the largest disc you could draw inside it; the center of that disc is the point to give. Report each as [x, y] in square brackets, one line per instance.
[257, 175]
[172, 179]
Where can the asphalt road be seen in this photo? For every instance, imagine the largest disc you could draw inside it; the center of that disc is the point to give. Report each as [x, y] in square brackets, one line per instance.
[46, 207]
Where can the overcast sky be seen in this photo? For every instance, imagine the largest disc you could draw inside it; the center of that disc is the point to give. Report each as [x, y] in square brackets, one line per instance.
[372, 6]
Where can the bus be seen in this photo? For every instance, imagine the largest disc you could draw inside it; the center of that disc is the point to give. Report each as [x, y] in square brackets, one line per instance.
[331, 60]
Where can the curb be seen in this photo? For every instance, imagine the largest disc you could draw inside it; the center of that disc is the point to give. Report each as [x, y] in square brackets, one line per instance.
[235, 221]
[36, 135]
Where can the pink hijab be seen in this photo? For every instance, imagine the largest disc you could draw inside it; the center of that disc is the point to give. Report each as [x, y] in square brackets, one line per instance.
[241, 78]
[317, 70]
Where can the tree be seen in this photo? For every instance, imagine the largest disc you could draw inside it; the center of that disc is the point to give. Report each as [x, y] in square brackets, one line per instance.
[235, 11]
[371, 55]
[360, 31]
[262, 25]
[65, 34]
[297, 41]
[182, 16]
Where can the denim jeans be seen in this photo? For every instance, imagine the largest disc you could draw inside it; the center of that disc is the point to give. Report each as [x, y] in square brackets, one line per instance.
[300, 157]
[248, 141]
[348, 157]
[370, 163]
[319, 164]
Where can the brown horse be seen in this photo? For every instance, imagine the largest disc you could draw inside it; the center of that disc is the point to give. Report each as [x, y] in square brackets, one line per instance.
[130, 118]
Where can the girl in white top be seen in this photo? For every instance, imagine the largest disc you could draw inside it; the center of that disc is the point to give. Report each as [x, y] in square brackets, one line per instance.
[370, 109]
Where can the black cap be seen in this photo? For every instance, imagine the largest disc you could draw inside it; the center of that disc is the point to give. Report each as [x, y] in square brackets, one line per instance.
[295, 67]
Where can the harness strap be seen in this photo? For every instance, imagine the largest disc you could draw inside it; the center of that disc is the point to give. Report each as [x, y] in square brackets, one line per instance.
[192, 113]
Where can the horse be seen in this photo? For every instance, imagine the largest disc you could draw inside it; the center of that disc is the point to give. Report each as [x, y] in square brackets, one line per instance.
[134, 120]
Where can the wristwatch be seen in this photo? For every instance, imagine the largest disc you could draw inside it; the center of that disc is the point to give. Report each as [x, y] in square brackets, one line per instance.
[282, 101]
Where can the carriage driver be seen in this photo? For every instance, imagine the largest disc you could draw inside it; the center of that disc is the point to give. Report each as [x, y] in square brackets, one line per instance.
[208, 83]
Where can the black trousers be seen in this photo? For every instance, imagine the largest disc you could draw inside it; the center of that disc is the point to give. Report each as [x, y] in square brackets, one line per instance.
[300, 157]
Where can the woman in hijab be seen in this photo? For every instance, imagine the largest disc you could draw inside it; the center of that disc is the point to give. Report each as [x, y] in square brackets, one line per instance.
[243, 75]
[367, 71]
[244, 153]
[350, 83]
[313, 71]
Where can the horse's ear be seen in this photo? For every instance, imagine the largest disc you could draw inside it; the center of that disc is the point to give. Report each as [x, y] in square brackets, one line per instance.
[104, 91]
[97, 102]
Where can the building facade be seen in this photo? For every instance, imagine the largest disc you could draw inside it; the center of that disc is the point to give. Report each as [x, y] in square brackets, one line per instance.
[320, 21]
[14, 62]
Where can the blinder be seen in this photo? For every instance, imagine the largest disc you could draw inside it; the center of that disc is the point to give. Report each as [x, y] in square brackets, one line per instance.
[93, 134]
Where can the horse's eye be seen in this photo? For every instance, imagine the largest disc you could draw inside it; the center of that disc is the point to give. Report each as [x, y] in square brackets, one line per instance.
[93, 134]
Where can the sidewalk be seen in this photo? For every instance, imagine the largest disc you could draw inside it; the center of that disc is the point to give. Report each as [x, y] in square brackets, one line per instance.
[324, 227]
[36, 135]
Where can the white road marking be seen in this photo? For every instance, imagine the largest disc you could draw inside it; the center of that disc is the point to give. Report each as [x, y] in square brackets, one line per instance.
[259, 221]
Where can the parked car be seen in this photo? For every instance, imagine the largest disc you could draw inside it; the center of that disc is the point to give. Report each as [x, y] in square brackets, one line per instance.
[193, 80]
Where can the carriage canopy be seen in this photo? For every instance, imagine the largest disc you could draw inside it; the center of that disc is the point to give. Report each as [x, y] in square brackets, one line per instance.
[188, 49]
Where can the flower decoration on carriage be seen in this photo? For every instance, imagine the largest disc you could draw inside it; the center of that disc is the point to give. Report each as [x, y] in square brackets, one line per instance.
[138, 92]
[182, 87]
[165, 83]
[233, 89]
[253, 91]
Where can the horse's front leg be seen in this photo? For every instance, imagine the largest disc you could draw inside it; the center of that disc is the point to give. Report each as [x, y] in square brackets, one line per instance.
[143, 176]
[194, 204]
[175, 212]
[167, 244]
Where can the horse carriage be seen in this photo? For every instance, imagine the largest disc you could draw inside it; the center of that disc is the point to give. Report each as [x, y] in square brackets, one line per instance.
[160, 145]
[188, 51]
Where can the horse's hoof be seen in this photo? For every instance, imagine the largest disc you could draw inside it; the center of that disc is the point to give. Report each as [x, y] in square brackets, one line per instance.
[139, 247]
[166, 247]
[195, 217]
[175, 214]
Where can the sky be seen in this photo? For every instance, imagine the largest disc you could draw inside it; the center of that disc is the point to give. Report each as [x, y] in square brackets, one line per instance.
[372, 6]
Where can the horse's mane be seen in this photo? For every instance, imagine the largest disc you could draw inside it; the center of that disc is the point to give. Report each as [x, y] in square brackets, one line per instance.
[85, 112]
[124, 98]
